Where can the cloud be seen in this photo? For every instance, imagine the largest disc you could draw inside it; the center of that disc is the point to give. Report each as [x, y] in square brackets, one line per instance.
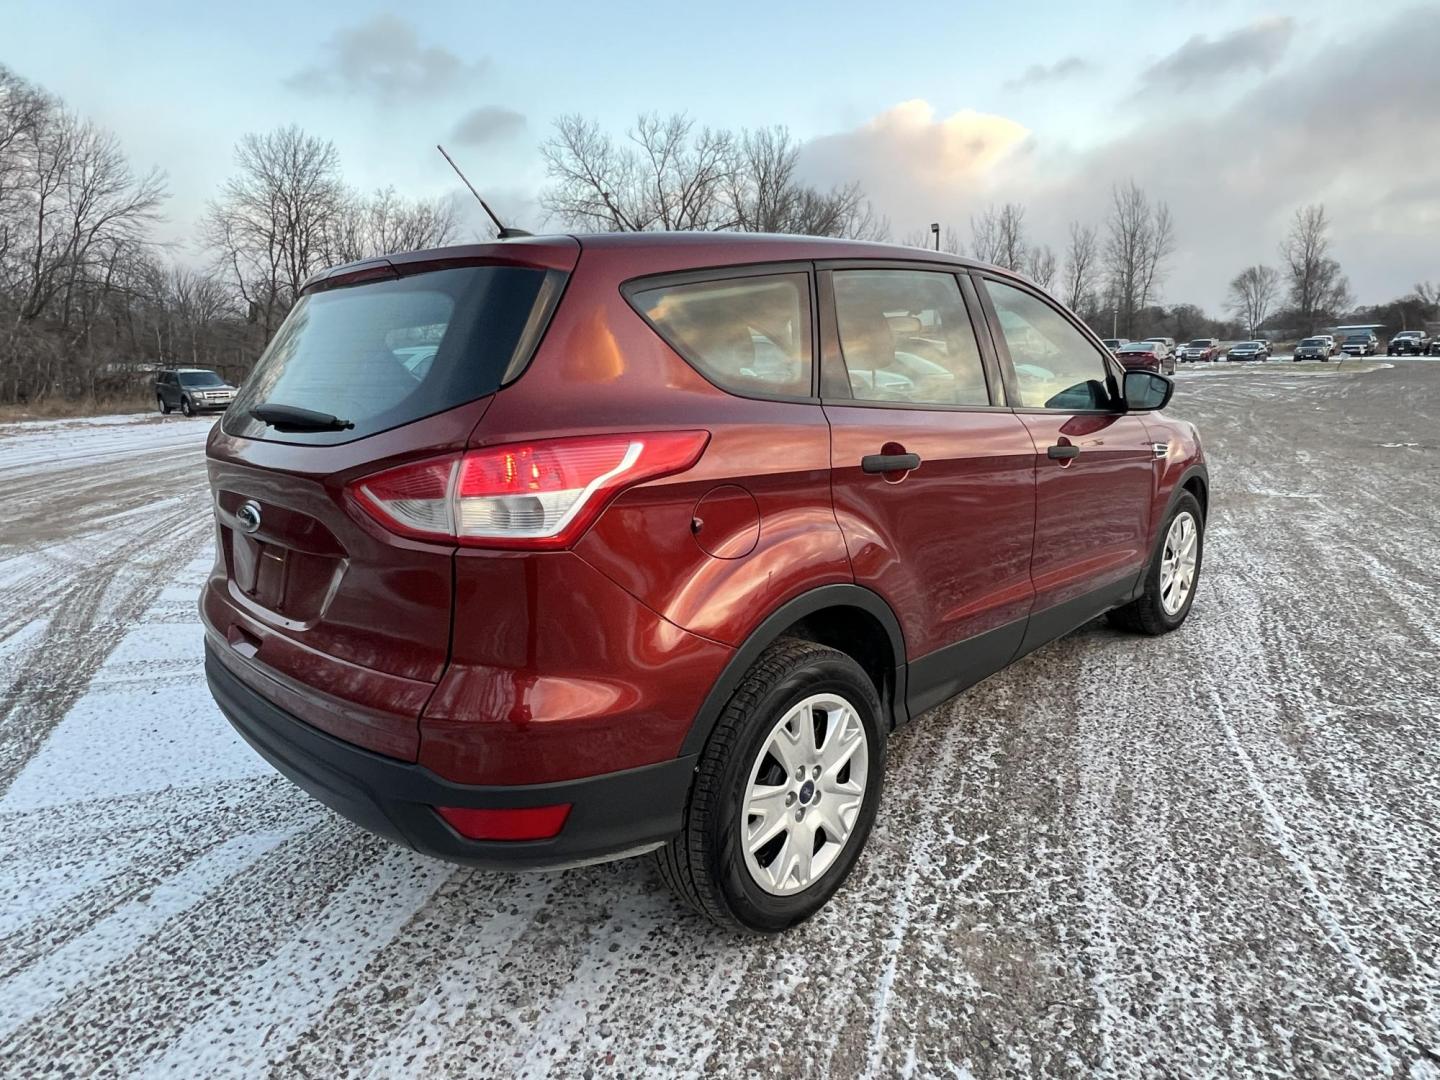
[488, 123]
[908, 148]
[1039, 74]
[1356, 139]
[383, 59]
[1257, 47]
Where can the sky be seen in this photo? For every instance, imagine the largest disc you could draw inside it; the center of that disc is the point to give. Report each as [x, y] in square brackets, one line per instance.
[1234, 113]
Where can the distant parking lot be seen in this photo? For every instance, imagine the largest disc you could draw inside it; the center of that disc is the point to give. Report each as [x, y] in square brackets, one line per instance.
[1214, 852]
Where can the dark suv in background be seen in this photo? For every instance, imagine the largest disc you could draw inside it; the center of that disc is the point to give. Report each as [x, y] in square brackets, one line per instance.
[1360, 343]
[1409, 343]
[192, 390]
[563, 549]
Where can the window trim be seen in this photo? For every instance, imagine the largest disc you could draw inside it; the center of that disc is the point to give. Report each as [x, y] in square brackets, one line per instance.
[706, 275]
[1007, 362]
[825, 272]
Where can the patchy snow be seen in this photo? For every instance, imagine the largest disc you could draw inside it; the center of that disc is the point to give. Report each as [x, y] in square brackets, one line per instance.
[1209, 853]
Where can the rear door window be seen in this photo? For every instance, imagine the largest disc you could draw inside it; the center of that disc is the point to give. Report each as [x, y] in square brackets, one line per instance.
[387, 353]
[906, 337]
[1056, 366]
[748, 335]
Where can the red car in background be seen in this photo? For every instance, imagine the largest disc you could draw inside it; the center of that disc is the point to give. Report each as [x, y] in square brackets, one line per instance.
[562, 549]
[1147, 356]
[1205, 349]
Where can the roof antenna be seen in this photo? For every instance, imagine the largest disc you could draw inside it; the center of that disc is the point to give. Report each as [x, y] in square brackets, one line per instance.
[502, 231]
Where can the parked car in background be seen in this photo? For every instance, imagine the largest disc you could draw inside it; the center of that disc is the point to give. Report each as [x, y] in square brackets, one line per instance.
[1360, 343]
[1248, 350]
[1314, 348]
[1169, 344]
[1409, 343]
[1434, 346]
[1201, 349]
[192, 390]
[1114, 343]
[1147, 356]
[658, 546]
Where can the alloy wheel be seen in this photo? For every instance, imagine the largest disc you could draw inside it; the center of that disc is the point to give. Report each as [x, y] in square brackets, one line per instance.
[804, 794]
[1178, 562]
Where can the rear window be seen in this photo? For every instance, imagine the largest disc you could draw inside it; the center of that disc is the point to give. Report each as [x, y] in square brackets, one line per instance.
[388, 353]
[748, 335]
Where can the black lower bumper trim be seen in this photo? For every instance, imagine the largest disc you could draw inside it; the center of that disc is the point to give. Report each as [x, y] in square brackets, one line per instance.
[612, 815]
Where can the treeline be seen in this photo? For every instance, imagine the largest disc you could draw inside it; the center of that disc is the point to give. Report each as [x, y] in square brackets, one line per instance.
[91, 301]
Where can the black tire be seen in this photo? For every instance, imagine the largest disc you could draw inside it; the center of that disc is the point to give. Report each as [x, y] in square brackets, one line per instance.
[1147, 615]
[705, 864]
[187, 408]
[164, 406]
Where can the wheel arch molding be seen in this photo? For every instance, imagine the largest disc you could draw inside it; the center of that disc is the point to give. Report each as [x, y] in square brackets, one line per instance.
[774, 626]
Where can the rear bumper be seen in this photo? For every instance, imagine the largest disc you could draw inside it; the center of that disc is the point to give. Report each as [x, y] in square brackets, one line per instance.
[612, 815]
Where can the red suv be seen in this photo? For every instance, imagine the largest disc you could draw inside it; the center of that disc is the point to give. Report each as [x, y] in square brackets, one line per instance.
[563, 549]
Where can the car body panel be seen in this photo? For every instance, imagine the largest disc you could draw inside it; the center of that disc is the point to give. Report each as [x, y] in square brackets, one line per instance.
[947, 545]
[1093, 511]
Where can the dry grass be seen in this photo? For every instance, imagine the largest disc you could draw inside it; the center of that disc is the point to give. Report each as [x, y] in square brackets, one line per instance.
[60, 409]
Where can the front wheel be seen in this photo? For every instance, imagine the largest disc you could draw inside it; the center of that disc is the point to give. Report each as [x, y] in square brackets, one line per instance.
[187, 408]
[1173, 574]
[785, 792]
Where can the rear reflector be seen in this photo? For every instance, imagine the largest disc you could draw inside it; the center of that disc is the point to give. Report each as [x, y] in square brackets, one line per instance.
[520, 823]
[539, 495]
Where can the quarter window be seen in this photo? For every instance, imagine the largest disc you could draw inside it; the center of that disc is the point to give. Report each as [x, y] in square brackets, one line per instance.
[1056, 366]
[748, 335]
[907, 337]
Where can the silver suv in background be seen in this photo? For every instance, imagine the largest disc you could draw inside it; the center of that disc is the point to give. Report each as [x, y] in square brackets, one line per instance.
[192, 390]
[1319, 347]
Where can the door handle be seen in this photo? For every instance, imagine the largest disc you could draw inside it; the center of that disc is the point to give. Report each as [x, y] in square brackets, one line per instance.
[1063, 453]
[886, 463]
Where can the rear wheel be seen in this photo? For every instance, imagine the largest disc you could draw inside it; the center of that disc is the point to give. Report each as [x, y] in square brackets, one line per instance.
[164, 405]
[785, 793]
[1173, 574]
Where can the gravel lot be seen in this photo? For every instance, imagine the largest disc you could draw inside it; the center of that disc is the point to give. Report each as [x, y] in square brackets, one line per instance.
[1216, 853]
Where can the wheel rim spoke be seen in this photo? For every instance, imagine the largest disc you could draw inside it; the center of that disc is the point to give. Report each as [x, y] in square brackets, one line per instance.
[769, 812]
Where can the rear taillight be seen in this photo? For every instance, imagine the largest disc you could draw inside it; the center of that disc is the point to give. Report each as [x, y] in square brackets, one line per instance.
[539, 495]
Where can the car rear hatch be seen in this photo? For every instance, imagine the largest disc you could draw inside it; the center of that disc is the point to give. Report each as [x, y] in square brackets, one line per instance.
[311, 602]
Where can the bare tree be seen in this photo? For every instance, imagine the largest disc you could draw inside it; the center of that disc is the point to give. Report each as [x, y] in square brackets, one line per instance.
[273, 224]
[1040, 266]
[1252, 293]
[74, 218]
[1318, 290]
[764, 193]
[669, 175]
[385, 222]
[985, 236]
[1140, 240]
[1011, 239]
[666, 175]
[1428, 293]
[1081, 263]
[23, 110]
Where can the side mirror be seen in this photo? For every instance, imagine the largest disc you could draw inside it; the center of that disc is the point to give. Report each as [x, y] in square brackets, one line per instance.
[1145, 391]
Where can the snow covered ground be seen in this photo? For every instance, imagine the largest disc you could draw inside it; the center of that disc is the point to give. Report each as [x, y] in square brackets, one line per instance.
[1216, 852]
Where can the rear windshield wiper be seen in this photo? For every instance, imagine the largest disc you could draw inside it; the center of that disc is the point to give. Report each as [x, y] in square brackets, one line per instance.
[294, 418]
